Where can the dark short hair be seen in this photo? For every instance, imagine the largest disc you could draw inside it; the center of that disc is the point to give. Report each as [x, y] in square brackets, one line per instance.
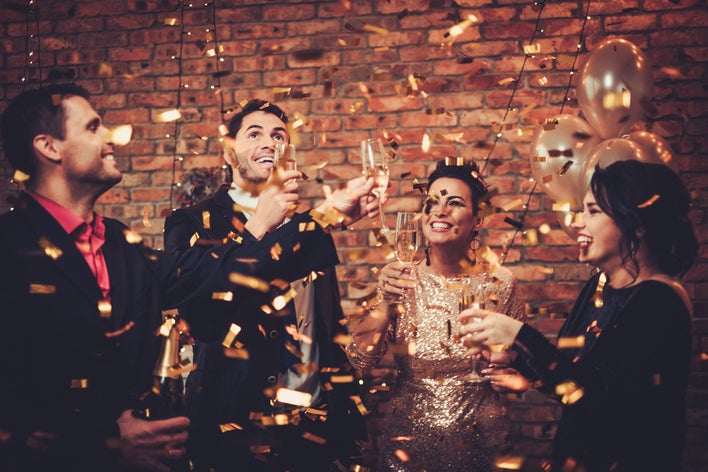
[468, 172]
[650, 198]
[31, 113]
[251, 106]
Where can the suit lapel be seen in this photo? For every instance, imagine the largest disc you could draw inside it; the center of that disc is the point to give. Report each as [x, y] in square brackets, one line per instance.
[225, 209]
[50, 234]
[117, 272]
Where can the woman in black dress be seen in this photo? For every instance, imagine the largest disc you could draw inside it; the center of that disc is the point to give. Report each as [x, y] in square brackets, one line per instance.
[621, 363]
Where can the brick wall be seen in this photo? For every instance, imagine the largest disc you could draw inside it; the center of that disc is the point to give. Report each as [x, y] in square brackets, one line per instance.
[349, 81]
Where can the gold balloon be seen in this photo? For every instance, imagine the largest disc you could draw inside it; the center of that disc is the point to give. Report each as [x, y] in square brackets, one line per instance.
[609, 151]
[658, 149]
[558, 153]
[614, 87]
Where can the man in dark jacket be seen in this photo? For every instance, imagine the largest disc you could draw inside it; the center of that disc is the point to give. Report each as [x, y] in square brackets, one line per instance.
[230, 400]
[80, 300]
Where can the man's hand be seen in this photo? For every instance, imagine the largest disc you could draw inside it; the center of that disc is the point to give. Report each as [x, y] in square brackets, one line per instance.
[151, 445]
[355, 199]
[276, 201]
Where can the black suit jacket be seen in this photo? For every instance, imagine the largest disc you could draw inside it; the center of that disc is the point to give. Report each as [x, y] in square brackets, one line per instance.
[65, 374]
[224, 390]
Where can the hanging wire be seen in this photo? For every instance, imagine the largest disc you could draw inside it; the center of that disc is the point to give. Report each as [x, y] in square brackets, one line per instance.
[520, 225]
[217, 58]
[577, 53]
[32, 56]
[176, 132]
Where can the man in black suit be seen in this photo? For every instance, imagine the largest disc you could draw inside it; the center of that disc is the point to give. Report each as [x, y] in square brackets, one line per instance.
[230, 399]
[80, 300]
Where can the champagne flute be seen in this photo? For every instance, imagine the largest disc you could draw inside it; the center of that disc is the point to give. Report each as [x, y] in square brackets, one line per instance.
[374, 164]
[407, 234]
[473, 296]
[285, 156]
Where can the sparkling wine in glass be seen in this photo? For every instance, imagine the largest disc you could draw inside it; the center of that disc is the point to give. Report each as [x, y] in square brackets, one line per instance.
[473, 296]
[285, 156]
[407, 236]
[374, 164]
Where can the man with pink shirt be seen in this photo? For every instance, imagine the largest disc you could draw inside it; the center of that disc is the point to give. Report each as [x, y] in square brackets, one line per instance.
[80, 301]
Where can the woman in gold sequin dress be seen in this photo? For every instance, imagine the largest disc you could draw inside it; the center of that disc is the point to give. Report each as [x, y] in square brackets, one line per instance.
[437, 420]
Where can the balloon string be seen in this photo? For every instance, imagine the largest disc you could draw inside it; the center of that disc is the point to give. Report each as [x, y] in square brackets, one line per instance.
[521, 224]
[577, 53]
[498, 134]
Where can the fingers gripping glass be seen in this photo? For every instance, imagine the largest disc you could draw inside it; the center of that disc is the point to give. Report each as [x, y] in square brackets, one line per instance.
[285, 156]
[374, 164]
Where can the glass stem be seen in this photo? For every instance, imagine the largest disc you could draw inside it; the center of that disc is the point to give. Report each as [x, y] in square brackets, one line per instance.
[383, 217]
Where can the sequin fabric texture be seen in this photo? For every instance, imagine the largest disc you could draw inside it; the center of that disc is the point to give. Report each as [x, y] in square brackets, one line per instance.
[436, 420]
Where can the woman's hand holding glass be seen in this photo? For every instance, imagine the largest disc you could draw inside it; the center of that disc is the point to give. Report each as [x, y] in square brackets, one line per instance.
[395, 279]
[487, 330]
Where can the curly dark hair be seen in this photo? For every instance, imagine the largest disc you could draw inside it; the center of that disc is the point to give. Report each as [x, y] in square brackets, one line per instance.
[651, 200]
[251, 106]
[468, 172]
[31, 113]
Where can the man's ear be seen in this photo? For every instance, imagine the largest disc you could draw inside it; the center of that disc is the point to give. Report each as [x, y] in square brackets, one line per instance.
[45, 147]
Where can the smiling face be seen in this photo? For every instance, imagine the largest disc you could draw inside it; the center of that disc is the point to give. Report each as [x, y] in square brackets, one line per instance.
[86, 159]
[253, 149]
[598, 237]
[449, 217]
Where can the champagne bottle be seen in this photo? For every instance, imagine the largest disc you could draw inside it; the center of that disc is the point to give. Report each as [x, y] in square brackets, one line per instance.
[165, 398]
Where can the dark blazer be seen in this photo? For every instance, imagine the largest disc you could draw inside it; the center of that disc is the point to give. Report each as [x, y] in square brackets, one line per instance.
[224, 390]
[633, 372]
[65, 374]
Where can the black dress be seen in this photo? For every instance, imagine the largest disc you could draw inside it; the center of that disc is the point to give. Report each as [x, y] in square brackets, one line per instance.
[624, 388]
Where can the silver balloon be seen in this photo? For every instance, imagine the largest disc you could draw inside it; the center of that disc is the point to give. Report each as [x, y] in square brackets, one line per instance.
[609, 151]
[614, 87]
[558, 153]
[655, 146]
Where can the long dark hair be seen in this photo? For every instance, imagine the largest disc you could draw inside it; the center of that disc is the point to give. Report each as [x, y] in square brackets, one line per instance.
[651, 200]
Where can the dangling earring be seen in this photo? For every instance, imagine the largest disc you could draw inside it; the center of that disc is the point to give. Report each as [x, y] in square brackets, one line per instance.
[427, 255]
[473, 246]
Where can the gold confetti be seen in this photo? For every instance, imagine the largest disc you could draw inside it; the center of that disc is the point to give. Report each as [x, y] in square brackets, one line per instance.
[131, 237]
[127, 327]
[193, 240]
[342, 340]
[530, 49]
[234, 329]
[226, 427]
[375, 29]
[293, 397]
[571, 342]
[105, 309]
[512, 204]
[649, 202]
[314, 438]
[225, 296]
[509, 462]
[170, 115]
[20, 176]
[355, 107]
[276, 251]
[42, 289]
[50, 249]
[206, 219]
[597, 297]
[401, 455]
[506, 81]
[561, 206]
[544, 270]
[172, 21]
[249, 281]
[236, 353]
[79, 384]
[341, 379]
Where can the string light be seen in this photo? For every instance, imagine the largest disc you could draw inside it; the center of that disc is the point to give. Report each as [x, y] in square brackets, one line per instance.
[577, 53]
[32, 55]
[175, 136]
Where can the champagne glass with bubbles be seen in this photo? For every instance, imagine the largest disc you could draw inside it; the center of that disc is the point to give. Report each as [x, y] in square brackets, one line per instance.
[473, 296]
[285, 156]
[374, 164]
[407, 236]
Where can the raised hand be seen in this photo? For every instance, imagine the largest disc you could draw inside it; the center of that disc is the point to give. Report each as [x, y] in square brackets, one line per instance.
[276, 201]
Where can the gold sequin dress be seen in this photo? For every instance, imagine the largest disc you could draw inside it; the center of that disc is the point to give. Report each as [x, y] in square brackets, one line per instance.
[436, 420]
